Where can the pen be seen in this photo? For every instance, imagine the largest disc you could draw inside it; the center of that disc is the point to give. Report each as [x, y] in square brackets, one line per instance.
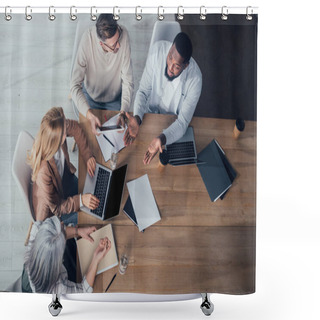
[111, 282]
[108, 140]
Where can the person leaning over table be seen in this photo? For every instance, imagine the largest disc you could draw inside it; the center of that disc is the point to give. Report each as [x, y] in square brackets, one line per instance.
[55, 187]
[171, 83]
[43, 270]
[102, 73]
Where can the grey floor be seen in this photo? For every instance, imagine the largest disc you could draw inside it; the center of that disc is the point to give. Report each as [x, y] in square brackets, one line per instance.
[35, 72]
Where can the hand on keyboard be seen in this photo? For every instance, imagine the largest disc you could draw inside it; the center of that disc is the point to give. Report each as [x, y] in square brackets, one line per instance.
[153, 149]
[90, 201]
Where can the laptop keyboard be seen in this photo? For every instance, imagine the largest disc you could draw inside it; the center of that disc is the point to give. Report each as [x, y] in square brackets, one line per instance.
[181, 150]
[100, 190]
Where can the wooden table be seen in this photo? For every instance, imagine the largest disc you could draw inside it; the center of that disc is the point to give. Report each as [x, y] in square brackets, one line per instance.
[198, 245]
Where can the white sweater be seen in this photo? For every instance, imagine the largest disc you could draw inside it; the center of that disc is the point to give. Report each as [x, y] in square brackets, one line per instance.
[106, 75]
[157, 94]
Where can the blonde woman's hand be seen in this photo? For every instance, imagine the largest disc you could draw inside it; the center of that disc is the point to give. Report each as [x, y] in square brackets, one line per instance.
[90, 201]
[91, 166]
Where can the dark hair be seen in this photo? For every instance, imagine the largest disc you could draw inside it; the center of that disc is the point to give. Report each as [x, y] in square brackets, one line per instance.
[183, 46]
[106, 26]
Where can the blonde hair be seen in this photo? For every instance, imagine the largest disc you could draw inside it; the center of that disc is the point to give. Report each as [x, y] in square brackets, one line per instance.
[48, 139]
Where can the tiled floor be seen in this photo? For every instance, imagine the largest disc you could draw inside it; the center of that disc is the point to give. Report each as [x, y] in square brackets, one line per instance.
[35, 70]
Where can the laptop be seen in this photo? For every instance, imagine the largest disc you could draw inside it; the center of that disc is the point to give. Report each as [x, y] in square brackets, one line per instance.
[107, 186]
[183, 151]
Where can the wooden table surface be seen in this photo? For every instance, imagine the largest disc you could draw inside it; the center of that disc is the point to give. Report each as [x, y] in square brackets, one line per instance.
[198, 245]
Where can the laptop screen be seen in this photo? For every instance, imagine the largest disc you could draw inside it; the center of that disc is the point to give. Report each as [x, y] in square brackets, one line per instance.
[115, 192]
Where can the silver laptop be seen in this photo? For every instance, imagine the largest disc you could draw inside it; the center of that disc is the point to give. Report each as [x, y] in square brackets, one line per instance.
[183, 151]
[107, 186]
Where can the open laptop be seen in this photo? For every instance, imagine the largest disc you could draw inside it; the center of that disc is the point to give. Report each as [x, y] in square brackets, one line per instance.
[183, 151]
[107, 186]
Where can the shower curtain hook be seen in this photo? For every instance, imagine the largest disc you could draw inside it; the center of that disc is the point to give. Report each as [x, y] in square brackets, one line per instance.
[160, 16]
[8, 17]
[203, 13]
[51, 16]
[138, 16]
[224, 13]
[28, 15]
[180, 14]
[116, 16]
[93, 16]
[249, 15]
[73, 17]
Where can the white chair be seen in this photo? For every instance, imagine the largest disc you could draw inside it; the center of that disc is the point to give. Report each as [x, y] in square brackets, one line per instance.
[164, 30]
[21, 171]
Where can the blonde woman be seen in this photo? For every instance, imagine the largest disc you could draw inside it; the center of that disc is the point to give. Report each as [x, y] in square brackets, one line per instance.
[55, 187]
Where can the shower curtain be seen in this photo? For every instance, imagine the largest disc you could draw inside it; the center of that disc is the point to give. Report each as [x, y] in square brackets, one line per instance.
[198, 245]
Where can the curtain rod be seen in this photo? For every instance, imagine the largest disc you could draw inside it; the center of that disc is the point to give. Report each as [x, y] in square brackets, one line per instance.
[139, 10]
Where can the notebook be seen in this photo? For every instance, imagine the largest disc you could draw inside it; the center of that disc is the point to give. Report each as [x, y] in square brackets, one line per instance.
[107, 186]
[213, 172]
[230, 170]
[128, 210]
[111, 141]
[183, 151]
[143, 202]
[86, 250]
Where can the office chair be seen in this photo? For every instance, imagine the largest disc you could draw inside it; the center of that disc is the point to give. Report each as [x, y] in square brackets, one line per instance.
[21, 172]
[164, 30]
[15, 286]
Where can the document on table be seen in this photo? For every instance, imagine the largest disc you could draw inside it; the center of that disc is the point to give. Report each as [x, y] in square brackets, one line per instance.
[111, 141]
[86, 250]
[143, 202]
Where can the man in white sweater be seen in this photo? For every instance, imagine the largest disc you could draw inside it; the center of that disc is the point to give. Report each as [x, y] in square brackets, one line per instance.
[171, 83]
[102, 74]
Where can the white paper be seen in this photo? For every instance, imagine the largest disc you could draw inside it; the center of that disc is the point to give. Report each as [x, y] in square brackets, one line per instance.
[143, 202]
[115, 137]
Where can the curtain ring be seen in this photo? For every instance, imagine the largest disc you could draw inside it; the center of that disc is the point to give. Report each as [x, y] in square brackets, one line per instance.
[224, 13]
[180, 13]
[51, 16]
[8, 17]
[138, 16]
[203, 13]
[249, 15]
[27, 13]
[116, 17]
[160, 15]
[73, 17]
[93, 16]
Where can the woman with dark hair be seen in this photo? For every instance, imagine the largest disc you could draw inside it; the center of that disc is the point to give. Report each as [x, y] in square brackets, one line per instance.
[44, 271]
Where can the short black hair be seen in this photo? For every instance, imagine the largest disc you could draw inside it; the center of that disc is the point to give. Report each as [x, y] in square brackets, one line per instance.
[106, 26]
[183, 46]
